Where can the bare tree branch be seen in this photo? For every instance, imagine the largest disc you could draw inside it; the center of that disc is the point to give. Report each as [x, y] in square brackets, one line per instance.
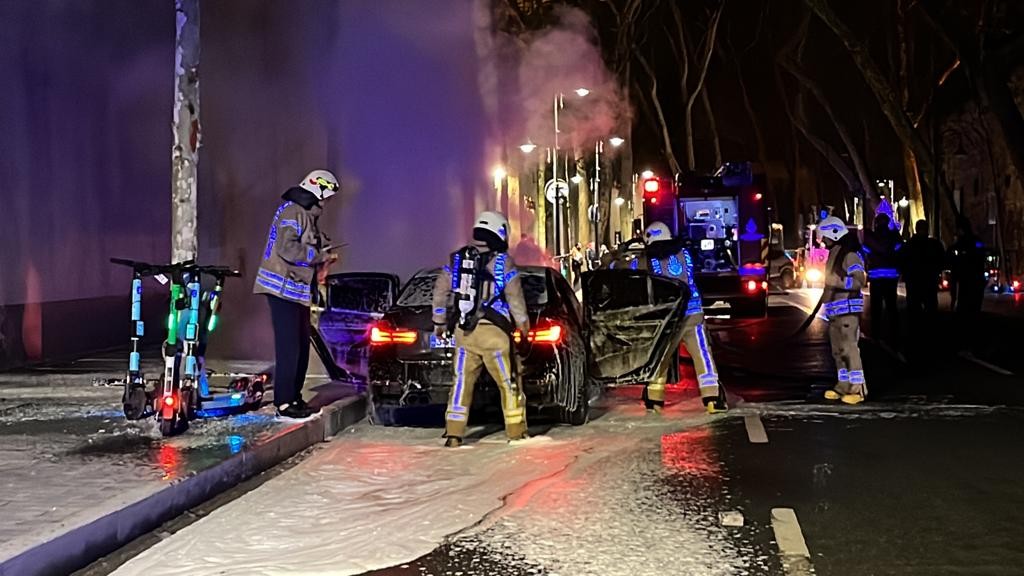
[704, 64]
[666, 136]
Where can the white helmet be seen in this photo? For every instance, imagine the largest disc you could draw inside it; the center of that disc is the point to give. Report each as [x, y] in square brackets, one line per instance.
[657, 232]
[832, 228]
[321, 183]
[491, 226]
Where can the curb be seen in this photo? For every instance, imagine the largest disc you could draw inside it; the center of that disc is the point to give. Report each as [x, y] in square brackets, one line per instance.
[92, 539]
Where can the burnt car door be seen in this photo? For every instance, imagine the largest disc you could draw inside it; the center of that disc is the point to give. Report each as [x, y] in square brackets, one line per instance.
[631, 320]
[353, 301]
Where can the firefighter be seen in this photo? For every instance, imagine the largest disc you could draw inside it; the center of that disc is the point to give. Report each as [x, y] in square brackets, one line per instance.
[882, 246]
[295, 250]
[479, 298]
[667, 257]
[844, 278]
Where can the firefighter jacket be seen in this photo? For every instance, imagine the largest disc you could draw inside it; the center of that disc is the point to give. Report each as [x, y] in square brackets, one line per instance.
[293, 249]
[677, 264]
[502, 292]
[881, 250]
[843, 283]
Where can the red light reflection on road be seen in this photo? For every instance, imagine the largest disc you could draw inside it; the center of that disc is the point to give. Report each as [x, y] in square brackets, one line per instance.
[691, 452]
[170, 460]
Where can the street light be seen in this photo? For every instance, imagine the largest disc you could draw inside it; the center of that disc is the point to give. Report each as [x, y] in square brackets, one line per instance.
[582, 92]
[576, 179]
[616, 141]
[499, 173]
[528, 147]
[904, 202]
[647, 174]
[620, 201]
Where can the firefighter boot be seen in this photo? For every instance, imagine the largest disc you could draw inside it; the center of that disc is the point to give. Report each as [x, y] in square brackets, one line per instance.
[714, 405]
[453, 442]
[653, 406]
[856, 394]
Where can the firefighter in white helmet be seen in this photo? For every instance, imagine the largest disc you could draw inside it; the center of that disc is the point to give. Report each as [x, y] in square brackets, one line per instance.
[843, 301]
[666, 256]
[479, 298]
[295, 250]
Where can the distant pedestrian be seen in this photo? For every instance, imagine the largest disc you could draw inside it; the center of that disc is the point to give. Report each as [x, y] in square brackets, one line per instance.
[576, 259]
[844, 279]
[923, 261]
[881, 247]
[967, 278]
[593, 261]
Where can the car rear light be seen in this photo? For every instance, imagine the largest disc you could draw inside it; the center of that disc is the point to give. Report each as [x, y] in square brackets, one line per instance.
[383, 334]
[169, 401]
[546, 333]
[751, 286]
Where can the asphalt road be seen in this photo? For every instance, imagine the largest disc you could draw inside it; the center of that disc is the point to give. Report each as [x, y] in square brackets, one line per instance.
[922, 479]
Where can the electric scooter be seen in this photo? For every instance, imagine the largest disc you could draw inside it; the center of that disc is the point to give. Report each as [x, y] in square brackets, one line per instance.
[181, 395]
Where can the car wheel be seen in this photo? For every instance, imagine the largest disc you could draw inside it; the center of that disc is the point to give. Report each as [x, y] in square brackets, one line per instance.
[380, 412]
[788, 280]
[580, 413]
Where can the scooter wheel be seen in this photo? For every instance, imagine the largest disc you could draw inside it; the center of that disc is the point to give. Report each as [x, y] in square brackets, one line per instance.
[136, 404]
[169, 427]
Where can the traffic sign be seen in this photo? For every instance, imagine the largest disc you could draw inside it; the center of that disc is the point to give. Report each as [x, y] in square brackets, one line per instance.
[559, 186]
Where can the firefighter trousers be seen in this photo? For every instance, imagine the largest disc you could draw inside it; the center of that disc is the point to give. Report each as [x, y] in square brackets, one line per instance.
[693, 334]
[843, 336]
[485, 347]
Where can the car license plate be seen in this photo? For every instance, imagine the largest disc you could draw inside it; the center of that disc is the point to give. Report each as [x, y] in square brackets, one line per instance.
[707, 244]
[436, 342]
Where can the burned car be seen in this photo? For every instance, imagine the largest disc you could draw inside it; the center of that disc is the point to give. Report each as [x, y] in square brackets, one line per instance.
[411, 373]
[621, 336]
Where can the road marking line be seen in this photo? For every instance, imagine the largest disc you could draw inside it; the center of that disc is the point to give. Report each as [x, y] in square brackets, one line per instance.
[972, 358]
[796, 558]
[755, 429]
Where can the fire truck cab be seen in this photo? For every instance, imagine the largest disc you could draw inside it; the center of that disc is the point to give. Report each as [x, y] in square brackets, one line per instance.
[724, 220]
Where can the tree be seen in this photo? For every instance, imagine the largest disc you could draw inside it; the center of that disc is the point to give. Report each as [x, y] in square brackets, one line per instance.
[185, 152]
[886, 95]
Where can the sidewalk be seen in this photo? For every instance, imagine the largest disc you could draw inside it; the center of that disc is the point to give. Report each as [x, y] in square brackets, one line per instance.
[69, 459]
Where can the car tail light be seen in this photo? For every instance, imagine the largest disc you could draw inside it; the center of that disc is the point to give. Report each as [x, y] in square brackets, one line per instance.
[545, 333]
[382, 334]
[751, 286]
[170, 401]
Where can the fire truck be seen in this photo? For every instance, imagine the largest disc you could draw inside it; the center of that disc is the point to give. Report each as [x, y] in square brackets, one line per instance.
[724, 219]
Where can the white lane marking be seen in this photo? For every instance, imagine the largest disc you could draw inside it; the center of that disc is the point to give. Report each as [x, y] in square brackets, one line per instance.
[972, 358]
[796, 558]
[755, 429]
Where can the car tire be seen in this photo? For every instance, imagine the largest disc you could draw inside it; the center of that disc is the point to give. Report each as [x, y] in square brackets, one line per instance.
[581, 413]
[788, 280]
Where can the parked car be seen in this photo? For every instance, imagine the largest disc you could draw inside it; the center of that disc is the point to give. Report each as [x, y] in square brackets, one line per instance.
[782, 269]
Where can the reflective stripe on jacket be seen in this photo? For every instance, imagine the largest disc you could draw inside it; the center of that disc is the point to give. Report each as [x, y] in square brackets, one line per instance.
[292, 251]
[507, 282]
[678, 266]
[845, 288]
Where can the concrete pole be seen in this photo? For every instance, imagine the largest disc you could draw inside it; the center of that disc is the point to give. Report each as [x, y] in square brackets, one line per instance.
[185, 153]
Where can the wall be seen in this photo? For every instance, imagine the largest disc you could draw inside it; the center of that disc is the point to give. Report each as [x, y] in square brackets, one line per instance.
[384, 92]
[84, 166]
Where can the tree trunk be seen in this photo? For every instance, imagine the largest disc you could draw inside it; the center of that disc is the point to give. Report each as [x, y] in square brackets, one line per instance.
[910, 169]
[866, 185]
[185, 153]
[709, 49]
[762, 152]
[717, 143]
[886, 96]
[663, 124]
[583, 199]
[825, 149]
